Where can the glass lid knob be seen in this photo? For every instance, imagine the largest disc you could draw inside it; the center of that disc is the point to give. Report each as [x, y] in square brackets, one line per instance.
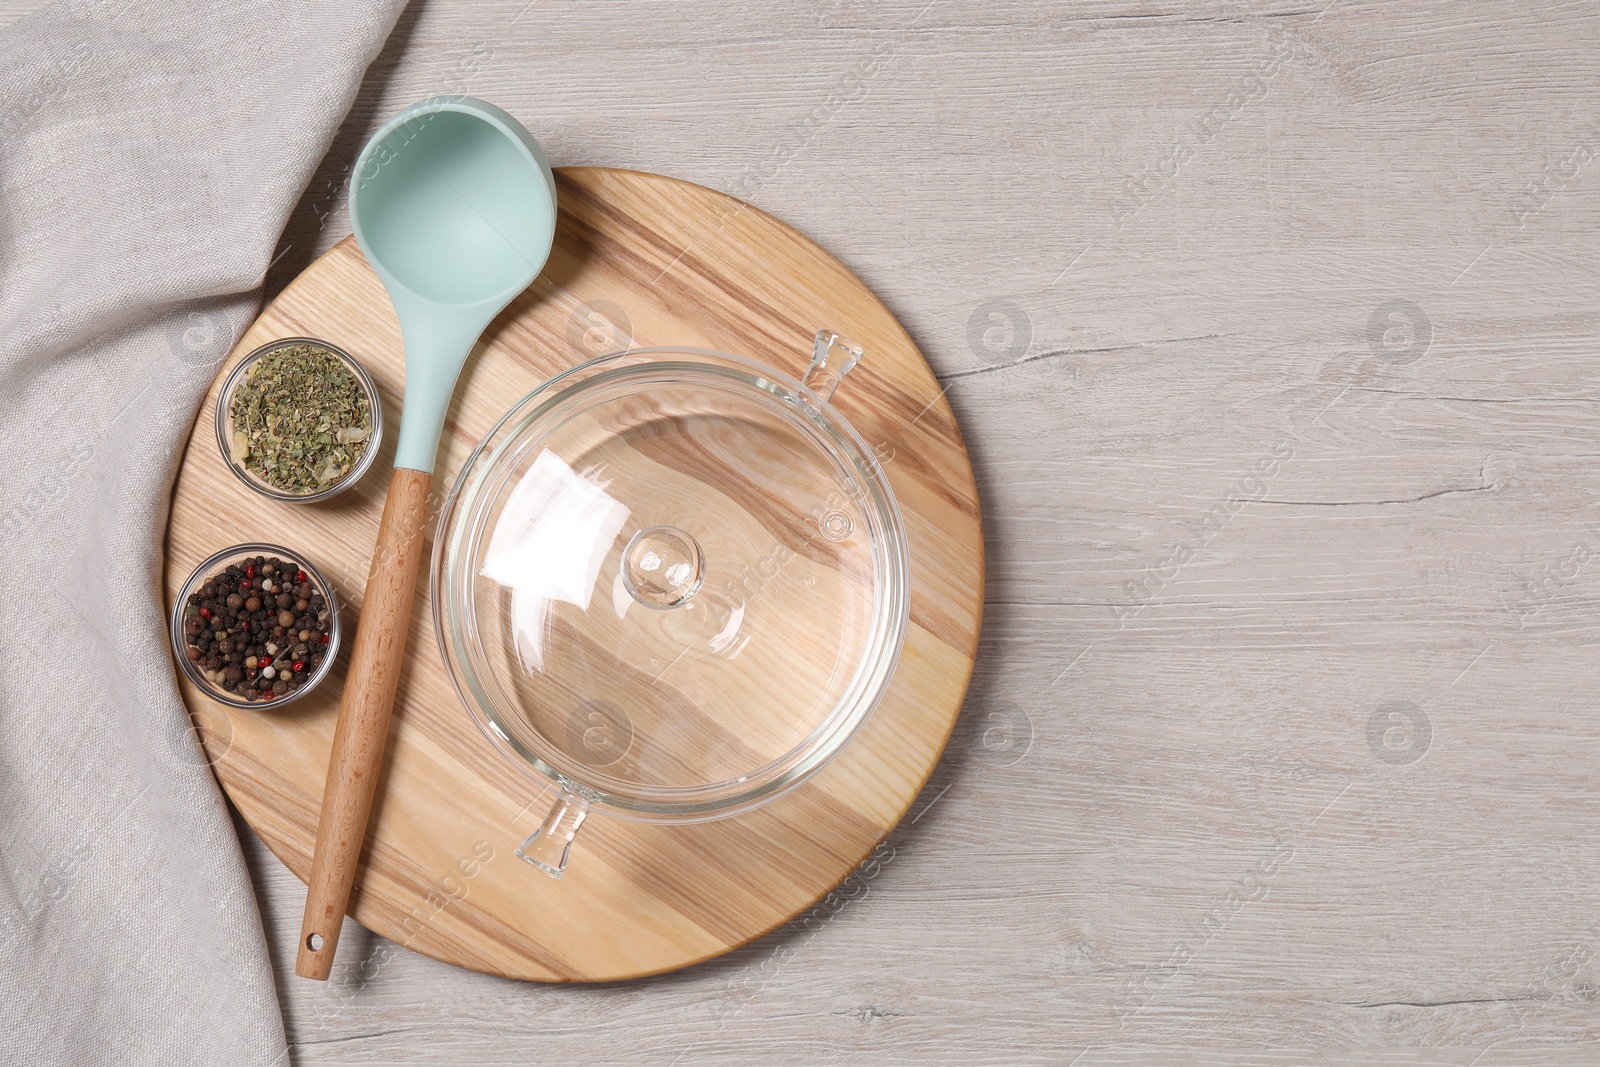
[662, 567]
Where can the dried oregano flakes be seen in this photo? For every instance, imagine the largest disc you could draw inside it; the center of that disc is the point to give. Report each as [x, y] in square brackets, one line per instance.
[301, 419]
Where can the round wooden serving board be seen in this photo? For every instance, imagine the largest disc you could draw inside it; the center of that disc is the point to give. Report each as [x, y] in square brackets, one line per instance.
[639, 260]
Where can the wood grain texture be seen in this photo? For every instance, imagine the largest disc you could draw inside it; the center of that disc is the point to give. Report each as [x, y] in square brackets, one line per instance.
[372, 675]
[677, 264]
[1112, 783]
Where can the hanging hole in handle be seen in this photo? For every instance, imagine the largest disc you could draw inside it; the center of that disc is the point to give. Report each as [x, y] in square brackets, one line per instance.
[314, 942]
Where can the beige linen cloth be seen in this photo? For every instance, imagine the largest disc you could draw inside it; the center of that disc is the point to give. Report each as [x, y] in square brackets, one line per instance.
[150, 154]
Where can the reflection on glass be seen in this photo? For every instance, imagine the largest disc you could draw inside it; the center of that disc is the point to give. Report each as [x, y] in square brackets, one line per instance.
[548, 544]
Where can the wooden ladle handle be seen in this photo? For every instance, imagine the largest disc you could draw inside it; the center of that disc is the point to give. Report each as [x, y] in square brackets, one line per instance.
[363, 729]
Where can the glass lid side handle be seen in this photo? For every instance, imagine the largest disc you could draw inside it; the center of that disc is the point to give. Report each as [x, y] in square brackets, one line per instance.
[551, 844]
[832, 357]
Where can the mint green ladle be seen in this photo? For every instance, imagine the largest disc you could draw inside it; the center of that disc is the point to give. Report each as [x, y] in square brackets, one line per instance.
[454, 206]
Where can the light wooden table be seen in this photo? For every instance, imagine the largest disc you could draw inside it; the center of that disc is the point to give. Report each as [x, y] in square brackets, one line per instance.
[1273, 332]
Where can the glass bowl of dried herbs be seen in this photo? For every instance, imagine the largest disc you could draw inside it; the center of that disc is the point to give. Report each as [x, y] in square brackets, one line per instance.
[299, 420]
[255, 625]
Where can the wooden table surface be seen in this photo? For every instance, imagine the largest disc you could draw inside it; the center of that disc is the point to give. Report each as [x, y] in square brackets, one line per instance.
[1272, 329]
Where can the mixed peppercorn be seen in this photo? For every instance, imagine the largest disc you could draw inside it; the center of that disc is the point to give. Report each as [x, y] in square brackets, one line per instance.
[258, 629]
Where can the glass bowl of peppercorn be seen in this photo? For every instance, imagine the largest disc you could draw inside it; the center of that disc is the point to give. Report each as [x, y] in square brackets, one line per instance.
[254, 625]
[299, 420]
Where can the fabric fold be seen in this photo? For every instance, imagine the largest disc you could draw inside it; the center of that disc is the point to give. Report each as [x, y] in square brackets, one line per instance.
[150, 156]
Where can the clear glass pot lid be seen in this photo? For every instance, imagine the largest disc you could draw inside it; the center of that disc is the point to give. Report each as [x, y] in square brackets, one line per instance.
[673, 581]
